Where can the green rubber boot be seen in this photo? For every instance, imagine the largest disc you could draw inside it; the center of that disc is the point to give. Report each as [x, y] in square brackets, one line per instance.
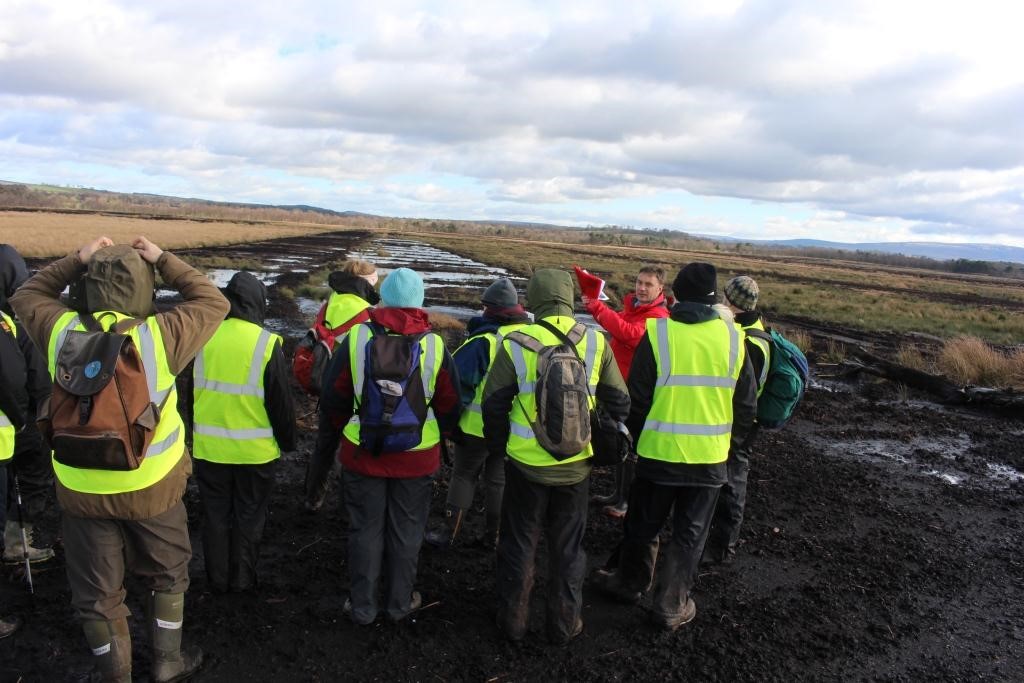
[169, 662]
[111, 646]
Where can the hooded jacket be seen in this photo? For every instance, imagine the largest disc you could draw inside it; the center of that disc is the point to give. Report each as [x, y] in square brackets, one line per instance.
[337, 404]
[24, 380]
[247, 297]
[473, 358]
[642, 379]
[627, 328]
[184, 328]
[550, 296]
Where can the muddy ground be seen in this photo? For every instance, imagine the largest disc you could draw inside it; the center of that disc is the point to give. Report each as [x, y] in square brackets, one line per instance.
[882, 543]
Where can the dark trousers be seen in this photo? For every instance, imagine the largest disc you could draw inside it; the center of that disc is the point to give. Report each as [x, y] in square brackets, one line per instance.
[650, 505]
[728, 517]
[235, 500]
[472, 458]
[387, 519]
[100, 551]
[35, 475]
[561, 512]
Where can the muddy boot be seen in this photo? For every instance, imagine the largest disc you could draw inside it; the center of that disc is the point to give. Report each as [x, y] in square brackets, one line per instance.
[8, 625]
[617, 510]
[615, 497]
[169, 662]
[609, 582]
[111, 646]
[14, 550]
[444, 536]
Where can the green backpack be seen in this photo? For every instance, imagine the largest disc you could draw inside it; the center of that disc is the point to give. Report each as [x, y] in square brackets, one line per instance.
[786, 382]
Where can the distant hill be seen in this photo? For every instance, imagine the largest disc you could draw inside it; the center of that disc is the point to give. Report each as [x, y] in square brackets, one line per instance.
[940, 251]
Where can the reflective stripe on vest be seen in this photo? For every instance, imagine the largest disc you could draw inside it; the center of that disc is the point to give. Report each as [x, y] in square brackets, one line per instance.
[472, 421]
[341, 308]
[690, 420]
[431, 357]
[168, 444]
[522, 442]
[766, 350]
[6, 428]
[230, 421]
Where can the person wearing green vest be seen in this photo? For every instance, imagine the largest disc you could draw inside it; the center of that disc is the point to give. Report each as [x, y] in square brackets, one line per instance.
[24, 376]
[693, 400]
[502, 314]
[544, 494]
[115, 522]
[741, 294]
[352, 297]
[387, 491]
[243, 416]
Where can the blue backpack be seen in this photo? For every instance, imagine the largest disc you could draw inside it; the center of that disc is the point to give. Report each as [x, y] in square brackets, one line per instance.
[393, 403]
[785, 383]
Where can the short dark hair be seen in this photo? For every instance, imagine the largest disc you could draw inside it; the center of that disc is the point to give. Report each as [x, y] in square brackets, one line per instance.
[656, 271]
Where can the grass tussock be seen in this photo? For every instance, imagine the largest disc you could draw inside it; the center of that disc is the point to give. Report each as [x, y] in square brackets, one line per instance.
[969, 360]
[801, 339]
[911, 357]
[442, 322]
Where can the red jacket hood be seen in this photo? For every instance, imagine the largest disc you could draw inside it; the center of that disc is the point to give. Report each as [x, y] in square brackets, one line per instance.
[401, 320]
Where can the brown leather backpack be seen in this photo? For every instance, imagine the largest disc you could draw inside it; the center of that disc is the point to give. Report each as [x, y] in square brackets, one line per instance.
[100, 415]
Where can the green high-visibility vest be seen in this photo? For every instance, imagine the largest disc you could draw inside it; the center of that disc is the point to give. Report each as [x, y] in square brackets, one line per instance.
[6, 427]
[340, 309]
[690, 420]
[522, 442]
[168, 444]
[766, 349]
[472, 422]
[431, 357]
[230, 421]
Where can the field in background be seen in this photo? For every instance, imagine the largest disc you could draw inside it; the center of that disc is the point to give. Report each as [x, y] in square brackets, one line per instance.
[40, 234]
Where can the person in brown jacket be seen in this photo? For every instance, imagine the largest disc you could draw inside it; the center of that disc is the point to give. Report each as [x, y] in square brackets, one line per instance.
[115, 522]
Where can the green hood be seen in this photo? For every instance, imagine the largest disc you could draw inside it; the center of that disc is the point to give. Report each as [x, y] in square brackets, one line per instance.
[117, 279]
[550, 292]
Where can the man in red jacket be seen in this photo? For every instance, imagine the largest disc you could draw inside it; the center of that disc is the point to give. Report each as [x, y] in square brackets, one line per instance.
[626, 330]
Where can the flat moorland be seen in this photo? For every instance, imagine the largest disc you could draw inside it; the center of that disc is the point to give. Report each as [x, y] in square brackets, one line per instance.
[859, 295]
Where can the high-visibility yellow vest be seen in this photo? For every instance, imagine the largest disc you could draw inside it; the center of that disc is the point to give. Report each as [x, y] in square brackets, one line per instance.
[690, 420]
[6, 426]
[522, 442]
[431, 357]
[766, 350]
[341, 308]
[168, 444]
[230, 421]
[472, 421]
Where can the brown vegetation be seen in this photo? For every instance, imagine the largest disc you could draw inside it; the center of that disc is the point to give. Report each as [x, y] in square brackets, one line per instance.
[969, 360]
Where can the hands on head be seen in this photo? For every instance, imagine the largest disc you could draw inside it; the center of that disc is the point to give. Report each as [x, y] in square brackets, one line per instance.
[147, 250]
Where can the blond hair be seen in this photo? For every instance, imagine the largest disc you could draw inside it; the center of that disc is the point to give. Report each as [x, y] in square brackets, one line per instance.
[358, 268]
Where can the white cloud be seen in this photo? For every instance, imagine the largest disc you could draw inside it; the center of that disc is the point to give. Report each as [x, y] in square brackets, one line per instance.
[885, 119]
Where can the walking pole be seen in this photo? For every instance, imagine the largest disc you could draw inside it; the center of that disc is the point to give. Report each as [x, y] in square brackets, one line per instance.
[24, 538]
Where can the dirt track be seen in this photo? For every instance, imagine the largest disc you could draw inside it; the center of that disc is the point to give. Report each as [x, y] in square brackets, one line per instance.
[862, 560]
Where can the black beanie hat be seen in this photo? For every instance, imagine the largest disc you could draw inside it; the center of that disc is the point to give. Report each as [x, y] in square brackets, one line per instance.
[696, 282]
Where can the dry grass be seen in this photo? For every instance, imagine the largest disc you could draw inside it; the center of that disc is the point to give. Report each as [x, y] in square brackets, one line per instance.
[442, 322]
[911, 357]
[38, 235]
[969, 360]
[801, 339]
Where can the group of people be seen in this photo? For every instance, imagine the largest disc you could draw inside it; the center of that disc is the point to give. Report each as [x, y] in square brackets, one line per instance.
[679, 372]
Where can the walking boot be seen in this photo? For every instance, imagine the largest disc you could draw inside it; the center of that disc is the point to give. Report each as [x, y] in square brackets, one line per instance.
[444, 536]
[609, 582]
[14, 551]
[615, 497]
[617, 510]
[111, 646]
[170, 663]
[670, 622]
[8, 625]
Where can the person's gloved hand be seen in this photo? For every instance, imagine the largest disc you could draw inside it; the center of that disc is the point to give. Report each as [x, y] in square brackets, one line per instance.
[591, 286]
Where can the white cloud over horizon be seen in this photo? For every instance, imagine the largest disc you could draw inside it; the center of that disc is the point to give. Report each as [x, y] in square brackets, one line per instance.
[852, 121]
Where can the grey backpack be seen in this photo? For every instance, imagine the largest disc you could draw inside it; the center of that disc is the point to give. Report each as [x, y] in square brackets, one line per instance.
[562, 392]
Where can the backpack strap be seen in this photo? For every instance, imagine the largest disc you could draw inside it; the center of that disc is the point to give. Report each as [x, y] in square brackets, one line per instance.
[759, 334]
[573, 337]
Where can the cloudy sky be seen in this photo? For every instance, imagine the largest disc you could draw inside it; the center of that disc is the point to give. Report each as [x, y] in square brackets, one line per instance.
[850, 121]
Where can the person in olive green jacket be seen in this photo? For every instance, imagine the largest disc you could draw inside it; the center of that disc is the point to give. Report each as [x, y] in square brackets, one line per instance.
[141, 527]
[542, 493]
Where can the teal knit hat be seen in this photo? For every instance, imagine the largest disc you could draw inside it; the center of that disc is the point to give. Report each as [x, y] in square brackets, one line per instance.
[402, 288]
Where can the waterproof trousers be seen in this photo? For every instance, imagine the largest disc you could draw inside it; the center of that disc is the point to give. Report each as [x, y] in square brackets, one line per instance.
[650, 505]
[35, 476]
[100, 552]
[235, 500]
[472, 458]
[560, 512]
[387, 520]
[728, 517]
